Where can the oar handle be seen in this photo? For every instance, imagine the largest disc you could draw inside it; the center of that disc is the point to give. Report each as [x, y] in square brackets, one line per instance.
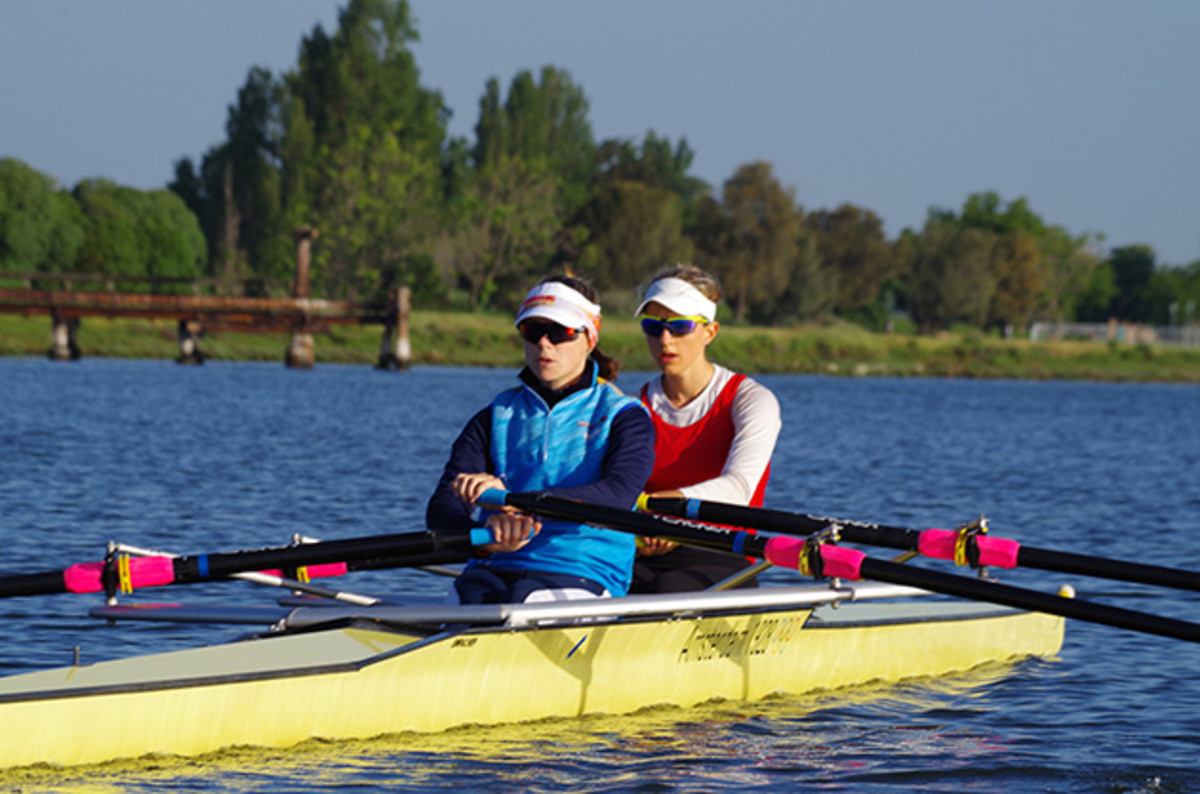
[558, 508]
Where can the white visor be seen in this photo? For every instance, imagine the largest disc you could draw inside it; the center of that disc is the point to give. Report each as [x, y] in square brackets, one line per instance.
[561, 304]
[679, 297]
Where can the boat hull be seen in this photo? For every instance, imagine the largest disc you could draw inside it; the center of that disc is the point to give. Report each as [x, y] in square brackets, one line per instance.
[361, 681]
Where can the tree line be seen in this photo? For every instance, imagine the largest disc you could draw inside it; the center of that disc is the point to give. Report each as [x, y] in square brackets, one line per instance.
[350, 142]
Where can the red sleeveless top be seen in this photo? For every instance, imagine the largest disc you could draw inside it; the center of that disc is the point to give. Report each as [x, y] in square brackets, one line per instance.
[697, 452]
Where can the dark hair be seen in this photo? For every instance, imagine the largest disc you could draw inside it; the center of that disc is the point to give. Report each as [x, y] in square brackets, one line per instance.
[607, 366]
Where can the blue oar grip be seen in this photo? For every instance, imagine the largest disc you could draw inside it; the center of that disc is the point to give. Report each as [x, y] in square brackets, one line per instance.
[492, 497]
[692, 509]
[202, 565]
[481, 536]
[739, 541]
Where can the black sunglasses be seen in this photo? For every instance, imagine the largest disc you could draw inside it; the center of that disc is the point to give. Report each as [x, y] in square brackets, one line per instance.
[533, 331]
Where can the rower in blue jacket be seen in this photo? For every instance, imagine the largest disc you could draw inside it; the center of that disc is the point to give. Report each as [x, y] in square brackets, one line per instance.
[566, 430]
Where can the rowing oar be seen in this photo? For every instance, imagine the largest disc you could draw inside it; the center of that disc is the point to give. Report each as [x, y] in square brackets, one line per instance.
[826, 559]
[123, 573]
[967, 545]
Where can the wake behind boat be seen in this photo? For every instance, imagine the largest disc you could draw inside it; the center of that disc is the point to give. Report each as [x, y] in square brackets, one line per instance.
[336, 672]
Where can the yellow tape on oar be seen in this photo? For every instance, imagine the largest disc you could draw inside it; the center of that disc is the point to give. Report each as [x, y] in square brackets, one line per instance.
[124, 578]
[803, 560]
[963, 542]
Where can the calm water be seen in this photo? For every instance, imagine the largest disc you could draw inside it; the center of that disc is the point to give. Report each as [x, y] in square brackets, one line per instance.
[231, 456]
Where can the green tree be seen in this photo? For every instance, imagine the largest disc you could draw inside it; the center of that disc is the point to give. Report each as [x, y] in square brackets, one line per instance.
[544, 123]
[1099, 291]
[500, 230]
[376, 208]
[1173, 297]
[1133, 268]
[289, 141]
[1069, 265]
[655, 163]
[112, 244]
[751, 239]
[1019, 277]
[812, 284]
[984, 211]
[855, 252]
[209, 192]
[1018, 266]
[950, 275]
[41, 227]
[366, 75]
[134, 233]
[254, 133]
[632, 230]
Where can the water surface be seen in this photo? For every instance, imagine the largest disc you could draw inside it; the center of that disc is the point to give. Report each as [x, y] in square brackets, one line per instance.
[229, 456]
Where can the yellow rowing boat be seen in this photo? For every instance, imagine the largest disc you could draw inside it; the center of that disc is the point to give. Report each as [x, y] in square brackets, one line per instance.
[340, 673]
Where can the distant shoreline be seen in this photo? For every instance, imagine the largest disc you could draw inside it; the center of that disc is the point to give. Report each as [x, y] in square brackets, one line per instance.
[463, 339]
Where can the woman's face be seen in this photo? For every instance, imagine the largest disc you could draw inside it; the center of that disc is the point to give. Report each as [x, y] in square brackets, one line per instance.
[676, 355]
[556, 365]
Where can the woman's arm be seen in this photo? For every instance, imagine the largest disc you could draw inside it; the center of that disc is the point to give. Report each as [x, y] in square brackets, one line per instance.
[756, 425]
[470, 454]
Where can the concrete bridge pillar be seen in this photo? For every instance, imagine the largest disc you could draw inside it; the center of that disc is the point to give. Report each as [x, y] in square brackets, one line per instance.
[396, 352]
[300, 351]
[189, 333]
[63, 346]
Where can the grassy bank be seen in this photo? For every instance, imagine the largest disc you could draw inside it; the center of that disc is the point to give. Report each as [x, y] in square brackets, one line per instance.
[489, 340]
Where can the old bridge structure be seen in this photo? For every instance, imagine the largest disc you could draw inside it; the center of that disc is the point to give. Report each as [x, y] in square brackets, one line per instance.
[300, 316]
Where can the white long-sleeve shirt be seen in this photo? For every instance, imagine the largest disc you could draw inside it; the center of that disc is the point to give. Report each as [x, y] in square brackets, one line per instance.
[756, 425]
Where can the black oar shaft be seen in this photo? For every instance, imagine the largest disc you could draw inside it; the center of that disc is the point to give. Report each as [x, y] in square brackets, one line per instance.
[788, 523]
[740, 542]
[996, 593]
[1103, 568]
[432, 547]
[28, 584]
[429, 547]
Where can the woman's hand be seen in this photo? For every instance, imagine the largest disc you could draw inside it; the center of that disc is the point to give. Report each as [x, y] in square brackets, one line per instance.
[510, 531]
[469, 487]
[652, 547]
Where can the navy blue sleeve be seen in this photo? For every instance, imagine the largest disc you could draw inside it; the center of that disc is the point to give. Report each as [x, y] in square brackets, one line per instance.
[470, 454]
[627, 464]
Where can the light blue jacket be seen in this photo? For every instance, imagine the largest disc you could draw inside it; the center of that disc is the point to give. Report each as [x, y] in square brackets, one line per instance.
[537, 448]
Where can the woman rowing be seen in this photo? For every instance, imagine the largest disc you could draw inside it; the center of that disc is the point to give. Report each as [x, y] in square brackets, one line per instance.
[715, 430]
[565, 430]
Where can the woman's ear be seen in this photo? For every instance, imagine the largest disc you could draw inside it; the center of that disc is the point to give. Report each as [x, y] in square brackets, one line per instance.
[711, 330]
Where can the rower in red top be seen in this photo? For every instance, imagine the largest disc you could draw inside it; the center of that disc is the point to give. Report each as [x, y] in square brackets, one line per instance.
[715, 429]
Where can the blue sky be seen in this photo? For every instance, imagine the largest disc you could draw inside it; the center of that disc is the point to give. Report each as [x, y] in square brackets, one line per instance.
[1090, 109]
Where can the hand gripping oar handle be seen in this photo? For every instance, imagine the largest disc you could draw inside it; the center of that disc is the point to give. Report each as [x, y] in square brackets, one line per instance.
[981, 549]
[823, 559]
[431, 547]
[712, 538]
